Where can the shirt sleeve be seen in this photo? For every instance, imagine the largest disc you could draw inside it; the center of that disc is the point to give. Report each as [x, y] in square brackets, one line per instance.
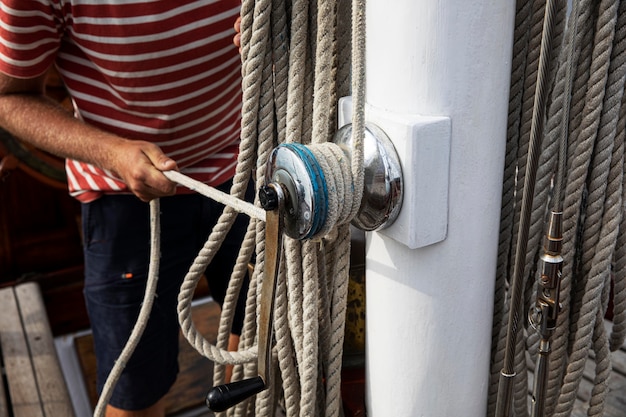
[30, 35]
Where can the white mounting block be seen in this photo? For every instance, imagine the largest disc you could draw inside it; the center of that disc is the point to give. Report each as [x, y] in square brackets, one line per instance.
[423, 146]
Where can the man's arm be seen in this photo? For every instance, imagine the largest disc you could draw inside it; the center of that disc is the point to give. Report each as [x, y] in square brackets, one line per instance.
[29, 115]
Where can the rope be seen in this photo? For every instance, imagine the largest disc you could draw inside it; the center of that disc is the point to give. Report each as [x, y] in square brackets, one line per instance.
[144, 312]
[618, 333]
[298, 57]
[313, 280]
[581, 168]
[240, 206]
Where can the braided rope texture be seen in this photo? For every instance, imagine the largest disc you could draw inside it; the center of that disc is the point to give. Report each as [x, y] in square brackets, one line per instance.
[586, 111]
[297, 59]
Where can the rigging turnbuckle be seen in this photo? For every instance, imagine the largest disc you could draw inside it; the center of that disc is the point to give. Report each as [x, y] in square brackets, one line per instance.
[544, 315]
[295, 197]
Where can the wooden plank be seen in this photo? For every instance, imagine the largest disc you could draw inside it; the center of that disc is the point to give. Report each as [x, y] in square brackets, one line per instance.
[20, 376]
[52, 389]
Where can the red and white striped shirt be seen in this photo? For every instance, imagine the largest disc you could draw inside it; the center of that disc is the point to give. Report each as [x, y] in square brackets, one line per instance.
[165, 71]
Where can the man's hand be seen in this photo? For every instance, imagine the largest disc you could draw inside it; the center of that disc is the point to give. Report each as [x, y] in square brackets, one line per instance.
[28, 114]
[139, 165]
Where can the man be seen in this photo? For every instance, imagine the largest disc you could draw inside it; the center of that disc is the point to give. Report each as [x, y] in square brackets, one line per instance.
[155, 86]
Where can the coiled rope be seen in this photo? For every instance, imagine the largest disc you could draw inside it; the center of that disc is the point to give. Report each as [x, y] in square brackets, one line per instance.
[296, 61]
[293, 48]
[587, 104]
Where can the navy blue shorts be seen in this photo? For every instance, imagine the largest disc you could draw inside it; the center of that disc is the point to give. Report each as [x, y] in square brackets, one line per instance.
[116, 231]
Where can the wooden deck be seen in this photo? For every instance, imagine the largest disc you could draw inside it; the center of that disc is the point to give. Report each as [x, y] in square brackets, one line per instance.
[31, 383]
[186, 399]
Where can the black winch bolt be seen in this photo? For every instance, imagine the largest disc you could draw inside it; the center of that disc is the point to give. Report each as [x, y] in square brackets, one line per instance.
[268, 197]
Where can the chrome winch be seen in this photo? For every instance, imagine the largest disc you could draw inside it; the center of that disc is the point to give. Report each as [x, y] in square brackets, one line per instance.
[296, 198]
[295, 167]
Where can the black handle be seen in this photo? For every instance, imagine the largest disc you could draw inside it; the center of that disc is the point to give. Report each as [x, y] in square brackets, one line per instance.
[225, 396]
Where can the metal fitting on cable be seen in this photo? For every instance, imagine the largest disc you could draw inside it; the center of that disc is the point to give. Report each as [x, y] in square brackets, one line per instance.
[544, 316]
[547, 305]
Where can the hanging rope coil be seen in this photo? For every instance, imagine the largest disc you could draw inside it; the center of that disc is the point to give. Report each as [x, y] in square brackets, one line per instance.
[291, 47]
[586, 104]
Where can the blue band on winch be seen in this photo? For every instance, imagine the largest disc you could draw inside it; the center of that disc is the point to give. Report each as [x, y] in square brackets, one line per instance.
[318, 182]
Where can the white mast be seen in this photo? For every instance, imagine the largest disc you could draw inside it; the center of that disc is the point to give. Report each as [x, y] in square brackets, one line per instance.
[429, 309]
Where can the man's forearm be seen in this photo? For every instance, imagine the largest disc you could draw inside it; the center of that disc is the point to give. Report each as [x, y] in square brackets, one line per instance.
[32, 117]
[43, 123]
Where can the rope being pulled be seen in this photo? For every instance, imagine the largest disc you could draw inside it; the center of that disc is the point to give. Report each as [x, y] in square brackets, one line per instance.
[238, 205]
[592, 196]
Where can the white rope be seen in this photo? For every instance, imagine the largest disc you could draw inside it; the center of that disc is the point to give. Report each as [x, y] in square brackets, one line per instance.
[240, 206]
[144, 313]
